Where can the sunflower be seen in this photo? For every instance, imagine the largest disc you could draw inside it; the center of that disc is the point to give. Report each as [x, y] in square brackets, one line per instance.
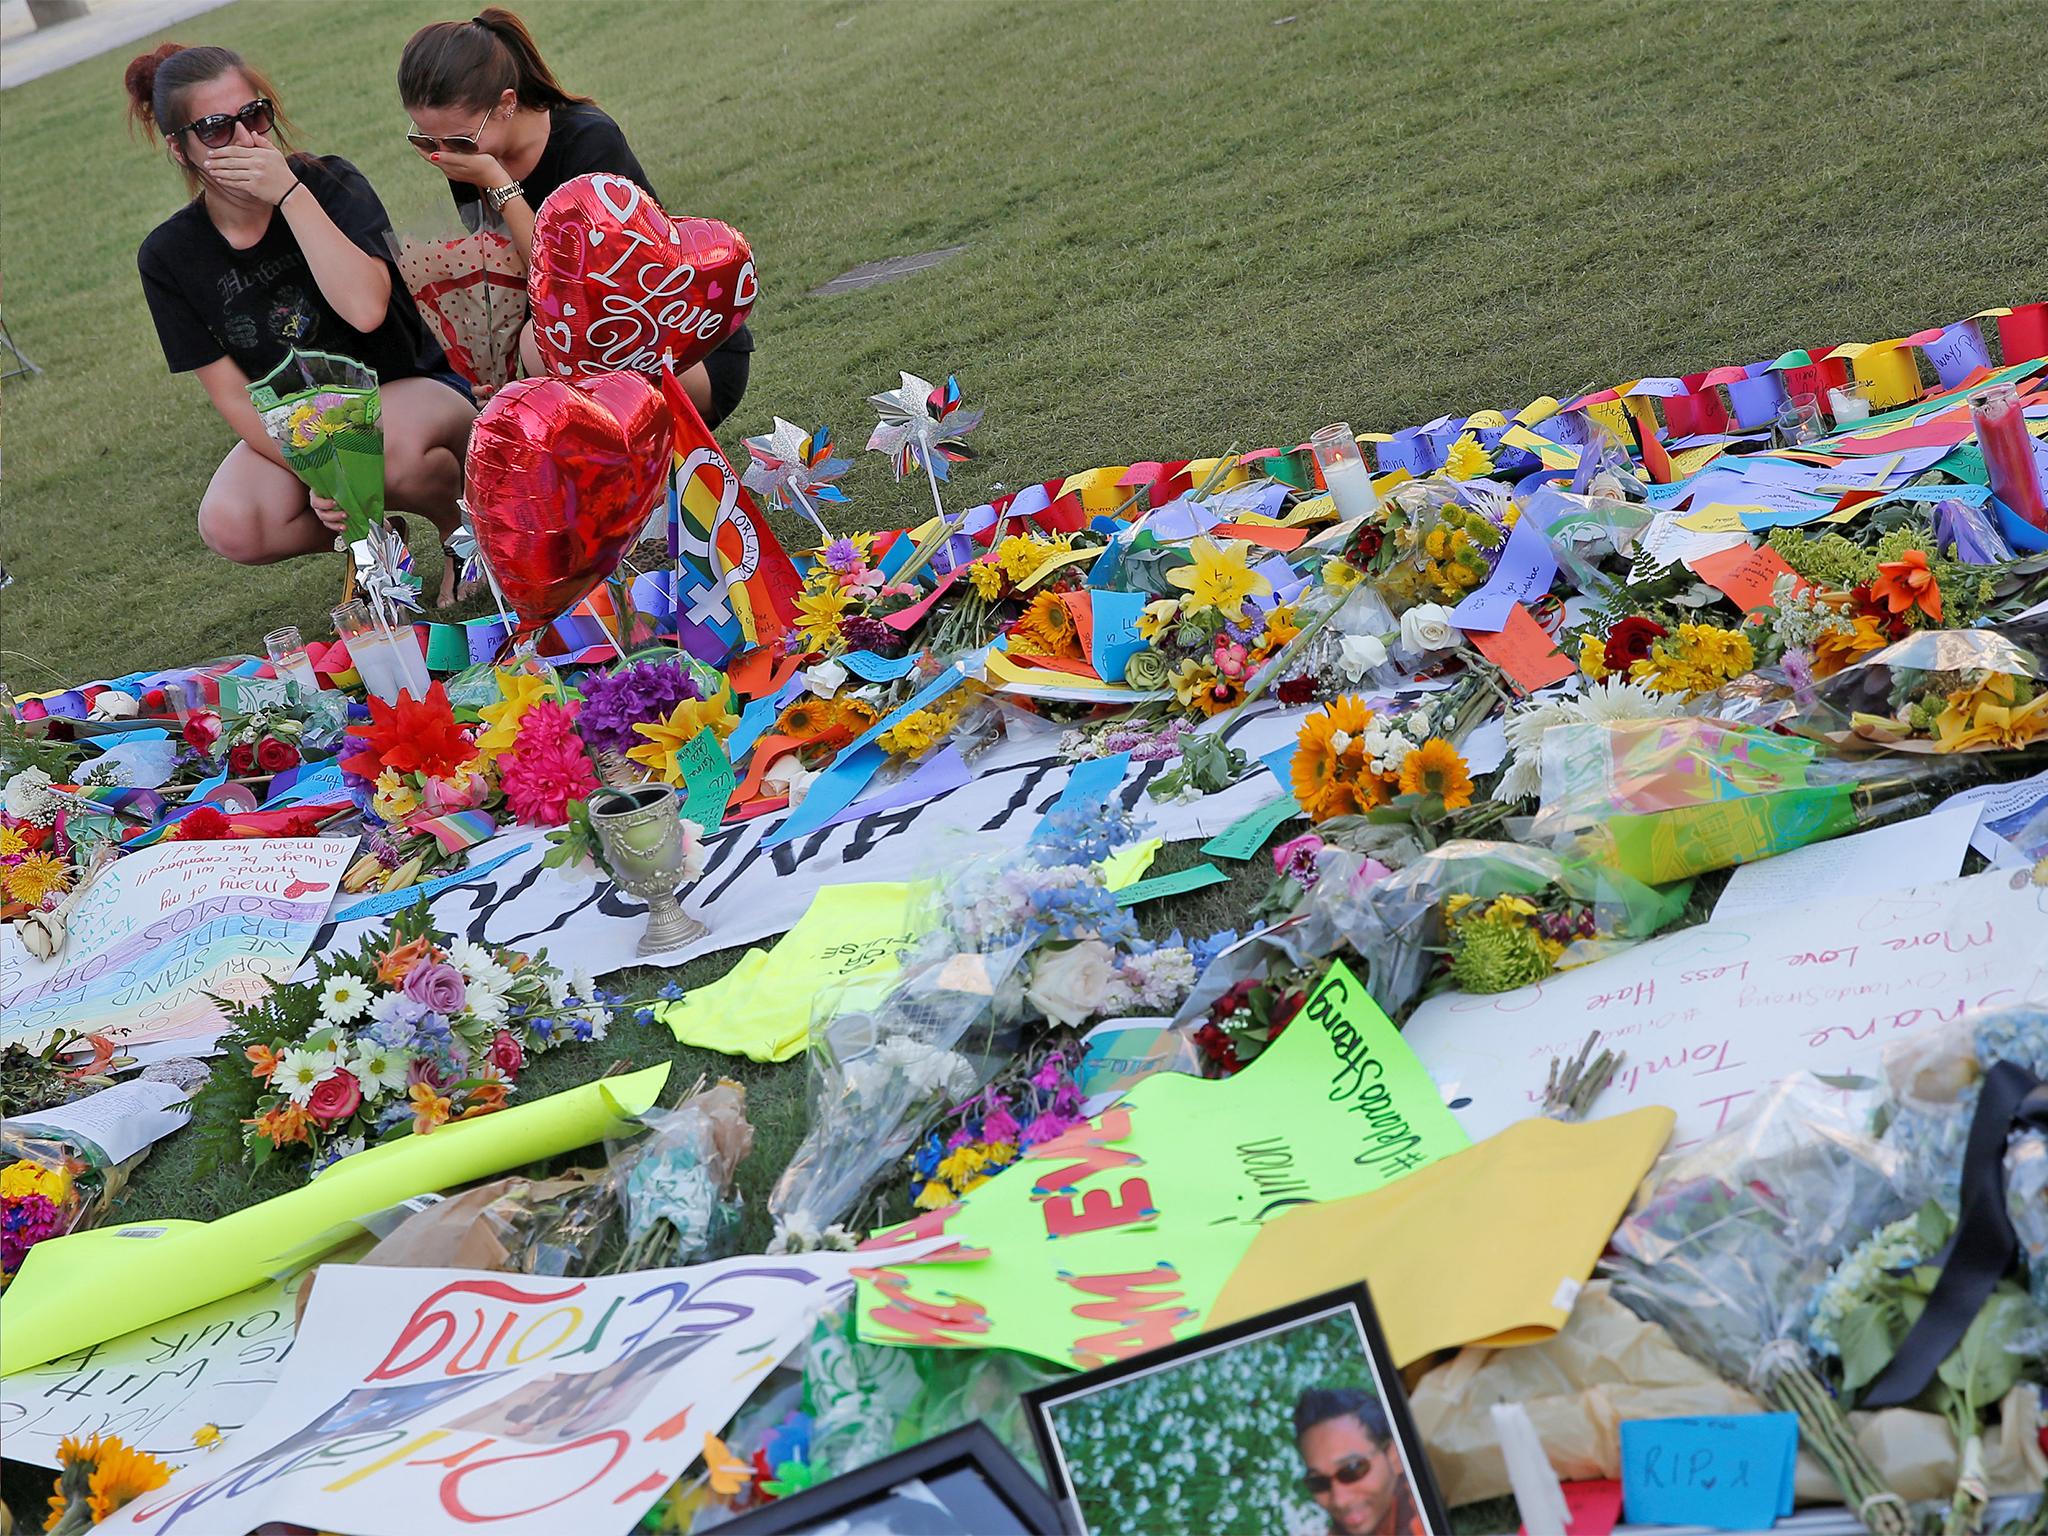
[1435, 768]
[1330, 774]
[817, 619]
[1220, 578]
[1046, 629]
[36, 878]
[120, 1475]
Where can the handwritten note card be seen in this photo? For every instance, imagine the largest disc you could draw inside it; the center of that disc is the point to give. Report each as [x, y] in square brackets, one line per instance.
[1524, 651]
[1114, 637]
[1746, 575]
[1731, 1472]
[1711, 1015]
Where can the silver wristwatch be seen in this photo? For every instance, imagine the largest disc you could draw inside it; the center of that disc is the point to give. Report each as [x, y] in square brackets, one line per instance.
[500, 196]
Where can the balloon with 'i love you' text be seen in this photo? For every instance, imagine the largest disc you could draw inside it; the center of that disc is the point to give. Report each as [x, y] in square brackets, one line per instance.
[617, 285]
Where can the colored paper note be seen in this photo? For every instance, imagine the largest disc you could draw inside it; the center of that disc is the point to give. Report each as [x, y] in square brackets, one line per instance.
[1090, 783]
[1592, 1508]
[165, 931]
[104, 1282]
[1718, 517]
[1521, 576]
[1887, 858]
[386, 902]
[845, 950]
[875, 668]
[1176, 884]
[1551, 454]
[1247, 835]
[707, 779]
[1525, 652]
[1749, 576]
[1115, 637]
[1429, 1243]
[1732, 1472]
[572, 1405]
[940, 774]
[1116, 1237]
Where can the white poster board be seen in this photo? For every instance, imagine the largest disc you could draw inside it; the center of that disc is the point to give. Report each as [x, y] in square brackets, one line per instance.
[1710, 1015]
[437, 1401]
[164, 930]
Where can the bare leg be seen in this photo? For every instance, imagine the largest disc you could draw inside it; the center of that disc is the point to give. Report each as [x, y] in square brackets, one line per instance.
[426, 433]
[697, 385]
[530, 365]
[255, 512]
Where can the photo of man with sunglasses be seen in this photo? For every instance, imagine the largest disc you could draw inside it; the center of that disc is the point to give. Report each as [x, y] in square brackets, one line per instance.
[1351, 1467]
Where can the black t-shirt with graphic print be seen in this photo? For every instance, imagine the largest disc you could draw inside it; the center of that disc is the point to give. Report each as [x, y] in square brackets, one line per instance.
[211, 301]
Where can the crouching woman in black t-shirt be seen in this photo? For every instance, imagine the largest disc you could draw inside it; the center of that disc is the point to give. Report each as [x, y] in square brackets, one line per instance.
[280, 250]
[490, 115]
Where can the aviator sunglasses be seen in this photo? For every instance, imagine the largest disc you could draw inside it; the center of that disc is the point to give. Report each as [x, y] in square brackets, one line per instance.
[1349, 1472]
[217, 129]
[459, 144]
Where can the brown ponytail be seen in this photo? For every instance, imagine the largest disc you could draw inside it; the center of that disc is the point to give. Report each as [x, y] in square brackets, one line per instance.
[157, 83]
[472, 63]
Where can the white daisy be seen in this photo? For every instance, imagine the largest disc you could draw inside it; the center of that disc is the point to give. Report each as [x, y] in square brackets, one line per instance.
[1620, 699]
[480, 968]
[343, 999]
[378, 1067]
[300, 1072]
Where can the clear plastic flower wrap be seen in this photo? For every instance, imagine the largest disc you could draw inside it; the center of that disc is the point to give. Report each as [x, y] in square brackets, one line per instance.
[1934, 1079]
[1727, 1243]
[1664, 799]
[882, 1071]
[1939, 691]
[51, 1186]
[676, 1185]
[1411, 908]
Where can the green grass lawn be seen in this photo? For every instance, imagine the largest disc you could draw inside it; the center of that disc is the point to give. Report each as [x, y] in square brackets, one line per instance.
[1188, 224]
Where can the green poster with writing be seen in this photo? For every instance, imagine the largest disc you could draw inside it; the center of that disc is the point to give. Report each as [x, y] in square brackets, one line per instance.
[1117, 1237]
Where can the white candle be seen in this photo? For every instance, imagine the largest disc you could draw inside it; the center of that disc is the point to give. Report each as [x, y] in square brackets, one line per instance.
[375, 664]
[409, 661]
[1847, 407]
[1350, 485]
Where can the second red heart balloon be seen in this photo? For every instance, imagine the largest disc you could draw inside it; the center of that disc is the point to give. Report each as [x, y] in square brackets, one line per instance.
[561, 479]
[616, 283]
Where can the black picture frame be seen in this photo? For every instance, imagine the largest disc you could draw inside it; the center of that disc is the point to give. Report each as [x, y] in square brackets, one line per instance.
[1356, 1301]
[972, 1450]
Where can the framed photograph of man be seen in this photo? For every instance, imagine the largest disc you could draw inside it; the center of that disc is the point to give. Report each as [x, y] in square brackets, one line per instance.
[965, 1483]
[1292, 1423]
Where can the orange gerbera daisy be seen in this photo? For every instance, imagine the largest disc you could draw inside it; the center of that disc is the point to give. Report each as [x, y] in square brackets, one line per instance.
[1435, 768]
[1907, 583]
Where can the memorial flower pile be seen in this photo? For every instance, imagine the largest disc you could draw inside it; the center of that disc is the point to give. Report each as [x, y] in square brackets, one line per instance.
[412, 1031]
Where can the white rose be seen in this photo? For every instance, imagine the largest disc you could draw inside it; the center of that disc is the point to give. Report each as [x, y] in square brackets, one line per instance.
[1070, 986]
[1428, 627]
[1359, 654]
[825, 679]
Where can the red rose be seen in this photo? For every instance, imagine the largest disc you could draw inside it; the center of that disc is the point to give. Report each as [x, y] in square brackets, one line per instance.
[1295, 690]
[274, 756]
[201, 730]
[335, 1098]
[507, 1054]
[241, 759]
[1630, 640]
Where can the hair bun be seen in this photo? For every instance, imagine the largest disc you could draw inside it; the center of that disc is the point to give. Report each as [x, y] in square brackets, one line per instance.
[139, 79]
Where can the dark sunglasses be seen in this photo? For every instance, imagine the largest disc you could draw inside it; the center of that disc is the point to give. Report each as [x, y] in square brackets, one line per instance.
[217, 129]
[1349, 1472]
[457, 144]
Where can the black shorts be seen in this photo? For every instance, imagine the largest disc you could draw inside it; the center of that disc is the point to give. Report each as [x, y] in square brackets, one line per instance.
[726, 369]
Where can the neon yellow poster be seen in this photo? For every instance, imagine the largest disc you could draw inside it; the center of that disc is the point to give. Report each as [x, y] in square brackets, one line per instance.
[1117, 1237]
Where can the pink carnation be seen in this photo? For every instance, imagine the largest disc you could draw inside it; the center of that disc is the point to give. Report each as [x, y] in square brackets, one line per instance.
[546, 768]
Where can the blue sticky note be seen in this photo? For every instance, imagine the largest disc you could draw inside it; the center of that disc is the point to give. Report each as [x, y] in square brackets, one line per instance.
[896, 556]
[319, 782]
[1115, 639]
[754, 722]
[1731, 1472]
[875, 668]
[1090, 783]
[1281, 761]
[1103, 571]
[1523, 574]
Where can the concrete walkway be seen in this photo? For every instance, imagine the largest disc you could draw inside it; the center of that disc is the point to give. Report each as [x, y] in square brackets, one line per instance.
[28, 52]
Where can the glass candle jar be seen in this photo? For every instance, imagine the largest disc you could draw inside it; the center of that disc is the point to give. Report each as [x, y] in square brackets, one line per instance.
[1345, 475]
[288, 657]
[369, 650]
[2008, 448]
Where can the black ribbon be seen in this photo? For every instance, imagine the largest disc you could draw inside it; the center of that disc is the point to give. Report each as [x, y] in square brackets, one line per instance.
[1984, 1246]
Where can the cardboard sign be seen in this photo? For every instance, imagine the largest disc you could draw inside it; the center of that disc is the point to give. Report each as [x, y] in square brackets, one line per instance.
[1118, 1236]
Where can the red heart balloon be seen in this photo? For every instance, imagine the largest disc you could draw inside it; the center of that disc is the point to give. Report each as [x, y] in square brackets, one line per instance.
[616, 283]
[561, 478]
